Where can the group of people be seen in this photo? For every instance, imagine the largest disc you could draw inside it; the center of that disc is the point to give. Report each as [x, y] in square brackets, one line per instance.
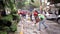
[39, 17]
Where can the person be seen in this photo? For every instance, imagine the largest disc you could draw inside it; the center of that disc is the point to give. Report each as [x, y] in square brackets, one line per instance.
[42, 21]
[35, 13]
[28, 16]
[41, 10]
[23, 13]
[31, 16]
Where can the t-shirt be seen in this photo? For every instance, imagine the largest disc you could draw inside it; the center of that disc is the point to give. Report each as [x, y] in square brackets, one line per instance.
[41, 16]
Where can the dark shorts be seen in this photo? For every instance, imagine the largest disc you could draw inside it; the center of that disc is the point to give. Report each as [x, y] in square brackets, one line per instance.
[23, 15]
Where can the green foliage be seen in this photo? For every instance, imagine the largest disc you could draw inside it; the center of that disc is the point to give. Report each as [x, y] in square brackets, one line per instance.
[13, 26]
[11, 17]
[32, 1]
[8, 18]
[16, 17]
[36, 3]
[3, 32]
[20, 4]
[7, 28]
[27, 2]
[11, 4]
[13, 12]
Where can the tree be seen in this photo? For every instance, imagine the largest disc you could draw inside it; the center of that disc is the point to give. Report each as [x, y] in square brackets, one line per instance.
[32, 1]
[9, 22]
[35, 3]
[20, 3]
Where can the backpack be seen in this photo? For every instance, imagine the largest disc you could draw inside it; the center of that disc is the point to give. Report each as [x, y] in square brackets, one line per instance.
[41, 16]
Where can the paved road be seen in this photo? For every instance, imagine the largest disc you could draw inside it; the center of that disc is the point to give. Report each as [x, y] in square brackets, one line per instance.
[54, 27]
[29, 28]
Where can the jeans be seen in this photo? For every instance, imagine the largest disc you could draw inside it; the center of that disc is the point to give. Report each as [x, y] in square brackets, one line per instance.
[42, 23]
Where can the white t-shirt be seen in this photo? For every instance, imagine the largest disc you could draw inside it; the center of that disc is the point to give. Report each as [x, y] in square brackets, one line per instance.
[33, 18]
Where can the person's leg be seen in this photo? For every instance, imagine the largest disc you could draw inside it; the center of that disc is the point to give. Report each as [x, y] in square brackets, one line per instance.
[31, 17]
[43, 22]
[24, 16]
[40, 25]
